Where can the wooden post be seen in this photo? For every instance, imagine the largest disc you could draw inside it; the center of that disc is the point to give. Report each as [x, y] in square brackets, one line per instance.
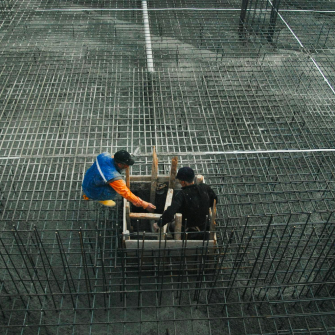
[199, 179]
[128, 216]
[154, 174]
[168, 202]
[212, 223]
[168, 199]
[127, 177]
[144, 216]
[173, 172]
[177, 228]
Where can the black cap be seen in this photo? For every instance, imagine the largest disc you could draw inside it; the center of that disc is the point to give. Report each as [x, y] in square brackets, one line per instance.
[123, 157]
[185, 174]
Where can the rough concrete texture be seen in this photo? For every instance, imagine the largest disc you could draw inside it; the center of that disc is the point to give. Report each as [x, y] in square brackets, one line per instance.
[253, 114]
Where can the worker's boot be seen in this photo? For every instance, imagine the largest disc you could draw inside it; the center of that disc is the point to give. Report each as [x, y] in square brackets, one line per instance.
[108, 203]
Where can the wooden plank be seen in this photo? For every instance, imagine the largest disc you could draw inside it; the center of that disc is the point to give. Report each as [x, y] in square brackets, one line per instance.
[173, 244]
[127, 177]
[145, 216]
[173, 172]
[154, 174]
[199, 179]
[124, 226]
[125, 223]
[213, 217]
[177, 227]
[128, 216]
[168, 202]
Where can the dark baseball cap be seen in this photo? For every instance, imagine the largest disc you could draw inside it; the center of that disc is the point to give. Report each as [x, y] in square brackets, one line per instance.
[185, 174]
[123, 157]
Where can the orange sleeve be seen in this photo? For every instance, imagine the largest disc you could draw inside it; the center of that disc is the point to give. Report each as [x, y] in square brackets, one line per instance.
[121, 188]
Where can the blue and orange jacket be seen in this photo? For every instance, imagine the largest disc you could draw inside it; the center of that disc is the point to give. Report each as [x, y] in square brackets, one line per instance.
[103, 181]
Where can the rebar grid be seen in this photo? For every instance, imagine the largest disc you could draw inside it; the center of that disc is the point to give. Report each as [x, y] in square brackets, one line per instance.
[278, 266]
[247, 100]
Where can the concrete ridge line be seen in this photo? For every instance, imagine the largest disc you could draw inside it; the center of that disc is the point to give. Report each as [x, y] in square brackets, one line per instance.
[303, 47]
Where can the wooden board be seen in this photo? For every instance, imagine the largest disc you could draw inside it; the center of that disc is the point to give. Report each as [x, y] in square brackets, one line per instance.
[128, 177]
[173, 173]
[145, 216]
[125, 228]
[154, 174]
[168, 202]
[170, 244]
[213, 217]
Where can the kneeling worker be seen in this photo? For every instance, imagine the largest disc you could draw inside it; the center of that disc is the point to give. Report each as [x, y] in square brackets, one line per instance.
[103, 181]
[193, 202]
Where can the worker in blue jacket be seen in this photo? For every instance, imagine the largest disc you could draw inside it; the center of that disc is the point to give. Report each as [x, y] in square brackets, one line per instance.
[103, 180]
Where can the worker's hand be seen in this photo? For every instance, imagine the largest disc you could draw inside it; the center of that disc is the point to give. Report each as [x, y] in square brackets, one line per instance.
[148, 206]
[155, 226]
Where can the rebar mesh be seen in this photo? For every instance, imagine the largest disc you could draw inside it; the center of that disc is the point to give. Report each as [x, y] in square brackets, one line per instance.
[242, 91]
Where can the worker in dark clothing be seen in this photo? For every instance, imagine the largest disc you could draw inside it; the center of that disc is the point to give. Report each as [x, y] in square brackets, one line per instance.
[193, 202]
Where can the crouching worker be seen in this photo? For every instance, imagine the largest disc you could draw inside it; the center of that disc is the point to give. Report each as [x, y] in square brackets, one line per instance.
[193, 202]
[103, 181]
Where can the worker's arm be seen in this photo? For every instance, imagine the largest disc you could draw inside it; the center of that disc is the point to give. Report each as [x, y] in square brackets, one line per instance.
[120, 187]
[212, 197]
[211, 194]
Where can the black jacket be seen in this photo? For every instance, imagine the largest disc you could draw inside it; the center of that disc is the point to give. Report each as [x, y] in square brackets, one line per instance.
[193, 203]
